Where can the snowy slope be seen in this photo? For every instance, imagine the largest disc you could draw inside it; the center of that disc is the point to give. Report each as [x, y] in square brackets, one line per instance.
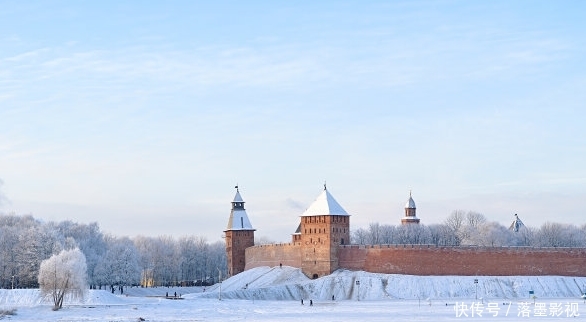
[289, 283]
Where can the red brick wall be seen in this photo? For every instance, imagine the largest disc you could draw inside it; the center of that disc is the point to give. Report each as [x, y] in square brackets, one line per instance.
[431, 260]
[273, 255]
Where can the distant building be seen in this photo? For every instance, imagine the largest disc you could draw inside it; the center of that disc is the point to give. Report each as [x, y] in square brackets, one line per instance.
[410, 212]
[517, 224]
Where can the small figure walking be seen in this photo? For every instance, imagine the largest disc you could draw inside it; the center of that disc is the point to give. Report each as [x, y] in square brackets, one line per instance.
[301, 301]
[280, 265]
[310, 302]
[332, 297]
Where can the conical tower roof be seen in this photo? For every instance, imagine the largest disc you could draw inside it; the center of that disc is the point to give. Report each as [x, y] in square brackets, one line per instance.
[517, 224]
[238, 217]
[238, 197]
[324, 205]
[410, 203]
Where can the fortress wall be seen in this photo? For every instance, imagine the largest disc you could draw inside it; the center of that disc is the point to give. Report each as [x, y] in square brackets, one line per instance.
[273, 255]
[432, 260]
[352, 257]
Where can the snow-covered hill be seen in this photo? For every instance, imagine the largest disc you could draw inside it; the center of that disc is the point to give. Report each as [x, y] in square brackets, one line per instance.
[289, 283]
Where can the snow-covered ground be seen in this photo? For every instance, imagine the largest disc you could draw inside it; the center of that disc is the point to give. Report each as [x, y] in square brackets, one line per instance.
[274, 294]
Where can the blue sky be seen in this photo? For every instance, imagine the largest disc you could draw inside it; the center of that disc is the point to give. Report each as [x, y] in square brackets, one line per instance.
[143, 116]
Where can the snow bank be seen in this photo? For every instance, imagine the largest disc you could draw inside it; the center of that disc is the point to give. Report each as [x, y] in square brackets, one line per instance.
[32, 297]
[288, 283]
[28, 297]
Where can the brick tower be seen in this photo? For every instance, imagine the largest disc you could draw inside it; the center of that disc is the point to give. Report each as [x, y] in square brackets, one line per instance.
[324, 226]
[410, 212]
[239, 236]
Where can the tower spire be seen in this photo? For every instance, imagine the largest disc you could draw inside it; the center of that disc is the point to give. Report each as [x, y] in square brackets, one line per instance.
[239, 235]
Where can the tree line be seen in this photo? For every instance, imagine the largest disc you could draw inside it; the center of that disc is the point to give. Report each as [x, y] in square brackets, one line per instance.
[467, 228]
[117, 262]
[111, 261]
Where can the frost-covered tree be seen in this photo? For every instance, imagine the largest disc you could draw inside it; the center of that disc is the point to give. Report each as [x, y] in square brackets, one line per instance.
[63, 274]
[469, 233]
[475, 219]
[493, 234]
[24, 243]
[120, 266]
[166, 260]
[158, 256]
[217, 257]
[412, 234]
[359, 236]
[454, 224]
[145, 259]
[9, 238]
[374, 234]
[203, 260]
[188, 258]
[436, 234]
[559, 235]
[88, 238]
[525, 236]
[35, 244]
